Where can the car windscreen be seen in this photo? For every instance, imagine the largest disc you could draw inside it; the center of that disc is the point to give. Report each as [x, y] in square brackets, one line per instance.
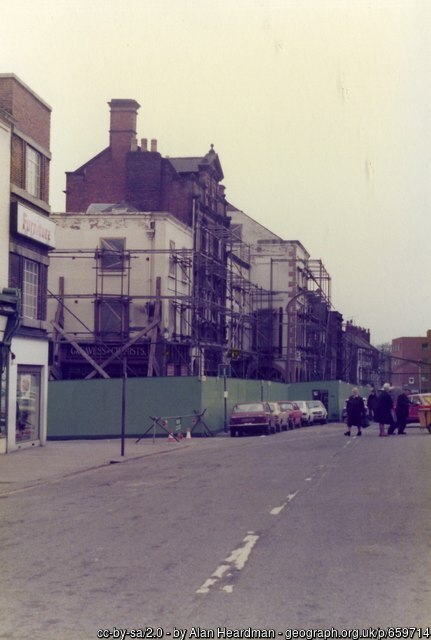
[248, 408]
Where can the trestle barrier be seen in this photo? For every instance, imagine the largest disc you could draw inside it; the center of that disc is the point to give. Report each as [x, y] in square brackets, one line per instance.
[196, 420]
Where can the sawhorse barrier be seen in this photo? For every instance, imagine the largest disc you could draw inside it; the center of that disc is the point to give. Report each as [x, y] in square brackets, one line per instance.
[163, 422]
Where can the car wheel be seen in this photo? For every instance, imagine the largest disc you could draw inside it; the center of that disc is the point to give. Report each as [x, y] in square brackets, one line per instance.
[232, 433]
[323, 421]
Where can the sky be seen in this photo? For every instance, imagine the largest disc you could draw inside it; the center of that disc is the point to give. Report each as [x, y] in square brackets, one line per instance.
[319, 111]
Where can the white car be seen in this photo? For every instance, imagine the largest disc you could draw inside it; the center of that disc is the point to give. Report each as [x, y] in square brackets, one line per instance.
[318, 412]
[305, 411]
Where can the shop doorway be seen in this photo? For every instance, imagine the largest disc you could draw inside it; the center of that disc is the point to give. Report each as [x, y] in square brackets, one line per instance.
[28, 404]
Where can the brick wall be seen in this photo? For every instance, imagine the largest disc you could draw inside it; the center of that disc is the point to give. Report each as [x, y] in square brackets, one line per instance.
[102, 179]
[32, 114]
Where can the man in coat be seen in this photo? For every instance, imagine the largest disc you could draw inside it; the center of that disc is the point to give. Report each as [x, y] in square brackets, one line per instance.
[402, 411]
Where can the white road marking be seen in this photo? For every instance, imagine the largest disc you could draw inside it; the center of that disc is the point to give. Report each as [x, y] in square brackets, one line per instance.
[277, 510]
[236, 560]
[240, 556]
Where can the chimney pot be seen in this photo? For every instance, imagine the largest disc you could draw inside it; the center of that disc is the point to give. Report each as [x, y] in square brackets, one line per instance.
[153, 145]
[144, 144]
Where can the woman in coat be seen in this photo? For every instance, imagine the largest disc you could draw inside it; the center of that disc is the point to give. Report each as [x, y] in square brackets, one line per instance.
[355, 412]
[383, 411]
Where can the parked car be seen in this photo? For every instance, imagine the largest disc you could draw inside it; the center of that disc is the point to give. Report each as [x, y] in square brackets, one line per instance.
[418, 401]
[280, 416]
[318, 411]
[251, 417]
[305, 411]
[294, 415]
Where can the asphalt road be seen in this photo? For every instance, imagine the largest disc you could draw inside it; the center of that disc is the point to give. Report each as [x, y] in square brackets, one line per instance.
[300, 530]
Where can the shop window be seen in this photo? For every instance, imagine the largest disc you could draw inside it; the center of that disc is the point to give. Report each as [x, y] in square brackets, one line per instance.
[33, 162]
[28, 404]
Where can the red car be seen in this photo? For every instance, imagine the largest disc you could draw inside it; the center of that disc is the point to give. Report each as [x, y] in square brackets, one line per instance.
[294, 414]
[251, 417]
[418, 401]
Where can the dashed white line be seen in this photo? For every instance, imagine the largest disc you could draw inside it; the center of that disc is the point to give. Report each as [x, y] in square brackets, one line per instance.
[277, 510]
[236, 560]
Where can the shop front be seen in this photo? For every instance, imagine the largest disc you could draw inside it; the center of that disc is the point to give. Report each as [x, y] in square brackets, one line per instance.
[26, 391]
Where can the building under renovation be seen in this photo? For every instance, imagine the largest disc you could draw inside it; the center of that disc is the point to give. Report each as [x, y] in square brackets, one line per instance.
[156, 274]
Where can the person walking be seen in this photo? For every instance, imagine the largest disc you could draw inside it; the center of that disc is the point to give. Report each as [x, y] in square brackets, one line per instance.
[371, 403]
[383, 411]
[402, 411]
[355, 412]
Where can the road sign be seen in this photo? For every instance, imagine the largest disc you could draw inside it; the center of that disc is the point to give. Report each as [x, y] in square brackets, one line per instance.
[224, 371]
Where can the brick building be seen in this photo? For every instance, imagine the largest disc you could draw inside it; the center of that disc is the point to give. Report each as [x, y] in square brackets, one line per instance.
[190, 190]
[411, 362]
[30, 236]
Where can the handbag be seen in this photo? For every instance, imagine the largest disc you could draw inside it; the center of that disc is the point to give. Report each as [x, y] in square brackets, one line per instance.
[365, 422]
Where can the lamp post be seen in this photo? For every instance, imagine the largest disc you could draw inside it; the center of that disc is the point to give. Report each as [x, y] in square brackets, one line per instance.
[10, 317]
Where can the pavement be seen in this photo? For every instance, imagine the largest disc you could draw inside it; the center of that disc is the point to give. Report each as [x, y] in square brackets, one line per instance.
[30, 467]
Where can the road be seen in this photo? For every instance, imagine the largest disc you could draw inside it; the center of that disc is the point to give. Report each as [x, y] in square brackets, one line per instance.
[300, 530]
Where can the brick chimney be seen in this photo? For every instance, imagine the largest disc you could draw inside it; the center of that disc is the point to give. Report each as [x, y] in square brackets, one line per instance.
[122, 133]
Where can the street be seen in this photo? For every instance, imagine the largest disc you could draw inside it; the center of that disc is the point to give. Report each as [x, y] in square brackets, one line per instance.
[306, 529]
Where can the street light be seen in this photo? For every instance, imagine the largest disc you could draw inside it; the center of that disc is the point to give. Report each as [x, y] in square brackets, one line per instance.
[10, 318]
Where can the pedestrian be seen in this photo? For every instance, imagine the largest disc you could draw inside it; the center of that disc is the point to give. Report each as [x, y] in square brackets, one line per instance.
[371, 403]
[402, 411]
[383, 411]
[355, 412]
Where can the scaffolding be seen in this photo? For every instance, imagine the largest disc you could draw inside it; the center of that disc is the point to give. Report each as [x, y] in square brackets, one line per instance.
[209, 315]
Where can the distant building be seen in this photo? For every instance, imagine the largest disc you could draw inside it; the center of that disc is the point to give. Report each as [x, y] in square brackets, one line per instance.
[26, 235]
[297, 335]
[360, 358]
[411, 362]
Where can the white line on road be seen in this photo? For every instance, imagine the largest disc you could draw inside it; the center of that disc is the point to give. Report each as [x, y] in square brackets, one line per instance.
[277, 510]
[236, 560]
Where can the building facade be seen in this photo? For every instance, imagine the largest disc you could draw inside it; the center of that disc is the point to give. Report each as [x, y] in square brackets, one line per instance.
[30, 235]
[126, 291]
[247, 298]
[297, 335]
[411, 363]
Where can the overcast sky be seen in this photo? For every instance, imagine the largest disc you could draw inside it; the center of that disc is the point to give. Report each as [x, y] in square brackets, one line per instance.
[319, 111]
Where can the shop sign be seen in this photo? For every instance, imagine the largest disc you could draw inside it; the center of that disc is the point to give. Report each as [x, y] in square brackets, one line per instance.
[100, 352]
[35, 226]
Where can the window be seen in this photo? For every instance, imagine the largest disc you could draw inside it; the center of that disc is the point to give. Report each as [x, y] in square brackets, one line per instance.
[30, 276]
[30, 289]
[28, 403]
[112, 254]
[33, 172]
[112, 317]
[172, 259]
